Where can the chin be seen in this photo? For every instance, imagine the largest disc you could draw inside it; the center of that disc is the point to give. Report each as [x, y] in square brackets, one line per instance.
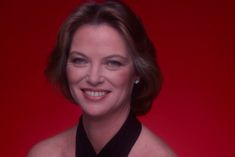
[95, 111]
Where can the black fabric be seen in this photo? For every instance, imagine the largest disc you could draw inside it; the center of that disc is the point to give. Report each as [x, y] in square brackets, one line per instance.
[119, 146]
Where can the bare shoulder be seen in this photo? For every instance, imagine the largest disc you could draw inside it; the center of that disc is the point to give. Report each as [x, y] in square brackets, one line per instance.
[56, 145]
[149, 145]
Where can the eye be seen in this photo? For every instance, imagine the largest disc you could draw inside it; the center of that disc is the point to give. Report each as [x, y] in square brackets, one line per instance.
[113, 64]
[79, 61]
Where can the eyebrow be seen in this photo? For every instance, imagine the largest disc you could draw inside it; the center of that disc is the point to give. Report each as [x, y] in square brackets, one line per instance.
[78, 53]
[125, 59]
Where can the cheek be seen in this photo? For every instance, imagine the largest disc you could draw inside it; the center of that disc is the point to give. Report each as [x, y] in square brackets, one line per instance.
[70, 74]
[123, 78]
[73, 74]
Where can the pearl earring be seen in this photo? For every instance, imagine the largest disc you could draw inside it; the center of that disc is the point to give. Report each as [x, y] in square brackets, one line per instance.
[137, 81]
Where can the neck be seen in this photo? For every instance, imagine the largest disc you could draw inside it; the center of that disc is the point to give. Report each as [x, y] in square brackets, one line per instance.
[101, 129]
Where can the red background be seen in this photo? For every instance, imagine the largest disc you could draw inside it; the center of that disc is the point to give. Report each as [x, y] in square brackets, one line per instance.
[195, 112]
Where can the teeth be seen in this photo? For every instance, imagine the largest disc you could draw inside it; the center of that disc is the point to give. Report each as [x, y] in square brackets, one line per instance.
[95, 94]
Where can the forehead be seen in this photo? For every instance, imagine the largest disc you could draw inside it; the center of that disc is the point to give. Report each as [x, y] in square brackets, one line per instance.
[98, 38]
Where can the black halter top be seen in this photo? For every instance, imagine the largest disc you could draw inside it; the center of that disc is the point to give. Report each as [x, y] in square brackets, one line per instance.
[119, 146]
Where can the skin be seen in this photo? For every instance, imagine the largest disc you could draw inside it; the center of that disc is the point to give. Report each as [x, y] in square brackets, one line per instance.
[100, 71]
[101, 77]
[63, 145]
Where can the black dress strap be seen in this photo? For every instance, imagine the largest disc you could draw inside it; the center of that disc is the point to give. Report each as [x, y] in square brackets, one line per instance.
[119, 146]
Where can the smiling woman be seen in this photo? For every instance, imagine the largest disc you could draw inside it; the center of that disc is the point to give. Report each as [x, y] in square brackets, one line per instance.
[105, 62]
[102, 77]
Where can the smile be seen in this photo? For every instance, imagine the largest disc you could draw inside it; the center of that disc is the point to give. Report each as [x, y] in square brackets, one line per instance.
[95, 94]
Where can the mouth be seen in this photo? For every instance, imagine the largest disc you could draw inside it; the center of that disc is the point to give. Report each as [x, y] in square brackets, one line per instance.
[95, 94]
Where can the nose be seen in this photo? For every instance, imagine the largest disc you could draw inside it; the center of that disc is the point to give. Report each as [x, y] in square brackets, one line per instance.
[94, 75]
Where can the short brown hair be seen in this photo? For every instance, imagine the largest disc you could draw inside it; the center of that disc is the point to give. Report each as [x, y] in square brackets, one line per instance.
[119, 16]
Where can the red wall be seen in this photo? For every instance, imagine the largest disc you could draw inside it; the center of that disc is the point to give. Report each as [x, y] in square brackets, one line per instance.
[195, 112]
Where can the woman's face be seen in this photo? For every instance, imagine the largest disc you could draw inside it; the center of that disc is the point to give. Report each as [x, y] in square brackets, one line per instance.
[100, 70]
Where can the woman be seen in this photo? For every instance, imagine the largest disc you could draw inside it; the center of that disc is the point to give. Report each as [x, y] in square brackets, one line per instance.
[104, 61]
